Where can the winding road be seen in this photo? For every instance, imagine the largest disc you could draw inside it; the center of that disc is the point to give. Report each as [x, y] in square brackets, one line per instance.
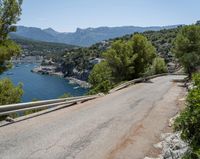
[121, 125]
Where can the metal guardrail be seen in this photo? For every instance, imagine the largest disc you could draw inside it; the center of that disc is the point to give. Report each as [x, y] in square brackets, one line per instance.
[138, 80]
[14, 108]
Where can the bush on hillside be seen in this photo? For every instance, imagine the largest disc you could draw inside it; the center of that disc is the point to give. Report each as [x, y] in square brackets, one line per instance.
[187, 48]
[125, 60]
[159, 66]
[189, 120]
[100, 78]
[9, 94]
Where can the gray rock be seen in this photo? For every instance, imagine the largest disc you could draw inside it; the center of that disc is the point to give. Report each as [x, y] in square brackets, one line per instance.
[158, 145]
[9, 119]
[152, 158]
[174, 147]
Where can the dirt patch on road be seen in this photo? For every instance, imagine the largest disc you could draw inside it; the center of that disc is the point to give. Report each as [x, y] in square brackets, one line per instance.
[125, 141]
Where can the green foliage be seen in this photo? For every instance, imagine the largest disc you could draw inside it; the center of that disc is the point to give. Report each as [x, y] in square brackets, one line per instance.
[77, 58]
[66, 95]
[100, 78]
[35, 100]
[187, 47]
[189, 120]
[28, 112]
[10, 11]
[191, 155]
[125, 60]
[130, 59]
[144, 51]
[80, 58]
[159, 66]
[9, 93]
[196, 80]
[40, 48]
[8, 49]
[163, 41]
[120, 59]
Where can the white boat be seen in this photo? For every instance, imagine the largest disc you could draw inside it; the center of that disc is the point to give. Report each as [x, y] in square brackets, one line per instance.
[76, 87]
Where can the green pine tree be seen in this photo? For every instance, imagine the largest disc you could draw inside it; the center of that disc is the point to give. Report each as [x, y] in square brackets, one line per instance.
[10, 10]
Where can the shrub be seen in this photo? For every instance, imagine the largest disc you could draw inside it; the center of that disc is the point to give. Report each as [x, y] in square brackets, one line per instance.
[66, 95]
[189, 120]
[124, 60]
[187, 48]
[159, 66]
[9, 93]
[100, 78]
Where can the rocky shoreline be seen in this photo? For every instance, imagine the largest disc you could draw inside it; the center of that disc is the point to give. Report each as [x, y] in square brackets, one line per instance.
[51, 70]
[81, 83]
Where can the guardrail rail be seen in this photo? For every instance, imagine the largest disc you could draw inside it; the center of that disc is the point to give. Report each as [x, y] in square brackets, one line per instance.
[21, 107]
[138, 80]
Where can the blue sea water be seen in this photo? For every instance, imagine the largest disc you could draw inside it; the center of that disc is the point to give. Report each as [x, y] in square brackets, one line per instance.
[41, 87]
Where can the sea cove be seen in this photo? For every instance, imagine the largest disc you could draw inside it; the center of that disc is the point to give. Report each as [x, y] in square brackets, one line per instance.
[41, 87]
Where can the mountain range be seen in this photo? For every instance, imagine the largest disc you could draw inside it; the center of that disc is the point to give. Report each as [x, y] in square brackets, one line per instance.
[82, 37]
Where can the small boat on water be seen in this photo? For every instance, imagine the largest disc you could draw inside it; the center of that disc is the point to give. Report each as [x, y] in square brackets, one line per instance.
[76, 87]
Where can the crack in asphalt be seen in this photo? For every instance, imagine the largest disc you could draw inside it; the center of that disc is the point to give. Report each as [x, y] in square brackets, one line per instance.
[136, 103]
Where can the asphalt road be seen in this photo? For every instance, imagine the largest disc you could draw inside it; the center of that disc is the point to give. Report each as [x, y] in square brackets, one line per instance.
[122, 125]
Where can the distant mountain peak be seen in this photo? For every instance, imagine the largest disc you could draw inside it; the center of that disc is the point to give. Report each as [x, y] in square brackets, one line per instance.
[51, 31]
[83, 37]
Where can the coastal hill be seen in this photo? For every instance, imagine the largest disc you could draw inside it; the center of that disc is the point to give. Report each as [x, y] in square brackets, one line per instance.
[77, 62]
[40, 48]
[82, 37]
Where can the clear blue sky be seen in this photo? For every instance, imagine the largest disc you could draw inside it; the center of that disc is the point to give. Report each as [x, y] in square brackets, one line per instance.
[67, 15]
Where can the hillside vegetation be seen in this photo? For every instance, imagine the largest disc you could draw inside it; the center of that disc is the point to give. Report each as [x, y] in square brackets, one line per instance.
[125, 60]
[79, 62]
[162, 40]
[187, 50]
[40, 48]
[189, 120]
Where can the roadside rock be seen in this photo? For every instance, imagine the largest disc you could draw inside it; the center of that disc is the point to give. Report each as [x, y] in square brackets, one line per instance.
[172, 120]
[174, 147]
[158, 145]
[189, 86]
[151, 158]
[9, 119]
